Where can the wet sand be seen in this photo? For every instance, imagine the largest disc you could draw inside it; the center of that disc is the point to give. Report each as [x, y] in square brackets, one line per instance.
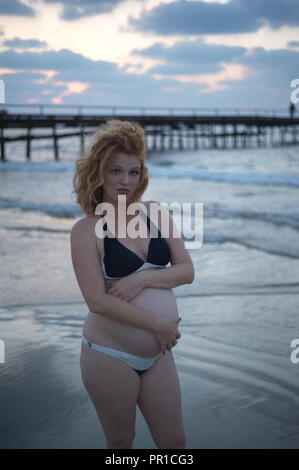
[232, 397]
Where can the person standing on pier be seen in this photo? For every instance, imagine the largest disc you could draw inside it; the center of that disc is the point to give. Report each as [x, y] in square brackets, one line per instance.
[292, 109]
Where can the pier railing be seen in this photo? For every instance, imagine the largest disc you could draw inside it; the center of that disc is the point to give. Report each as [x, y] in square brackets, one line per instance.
[111, 110]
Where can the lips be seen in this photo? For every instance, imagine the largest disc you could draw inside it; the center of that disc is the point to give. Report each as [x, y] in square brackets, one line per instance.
[123, 190]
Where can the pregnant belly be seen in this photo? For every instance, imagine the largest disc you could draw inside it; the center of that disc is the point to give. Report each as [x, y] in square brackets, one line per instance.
[102, 330]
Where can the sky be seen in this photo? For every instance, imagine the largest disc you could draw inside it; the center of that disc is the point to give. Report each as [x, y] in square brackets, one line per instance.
[175, 53]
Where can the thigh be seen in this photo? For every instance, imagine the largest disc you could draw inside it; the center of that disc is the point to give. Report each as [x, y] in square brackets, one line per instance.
[113, 387]
[160, 402]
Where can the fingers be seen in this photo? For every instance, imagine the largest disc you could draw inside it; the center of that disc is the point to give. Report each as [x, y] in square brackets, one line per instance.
[178, 333]
[171, 345]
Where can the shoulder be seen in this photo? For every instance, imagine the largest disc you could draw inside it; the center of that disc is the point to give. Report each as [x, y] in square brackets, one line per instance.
[84, 234]
[84, 226]
[80, 225]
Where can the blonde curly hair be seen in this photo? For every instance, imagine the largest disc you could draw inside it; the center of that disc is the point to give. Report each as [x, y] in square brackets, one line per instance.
[111, 138]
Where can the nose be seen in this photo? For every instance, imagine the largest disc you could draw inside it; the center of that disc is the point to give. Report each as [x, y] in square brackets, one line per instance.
[125, 179]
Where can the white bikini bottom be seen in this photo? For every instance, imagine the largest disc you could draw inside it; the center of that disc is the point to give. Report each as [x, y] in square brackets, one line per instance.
[138, 363]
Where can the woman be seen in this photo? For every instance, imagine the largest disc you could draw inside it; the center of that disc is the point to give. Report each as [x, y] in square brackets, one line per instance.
[131, 326]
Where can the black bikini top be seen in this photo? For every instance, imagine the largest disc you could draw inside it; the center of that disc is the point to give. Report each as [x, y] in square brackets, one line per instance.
[120, 261]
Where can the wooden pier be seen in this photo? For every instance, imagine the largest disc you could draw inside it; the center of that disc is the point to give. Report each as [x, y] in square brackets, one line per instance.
[166, 129]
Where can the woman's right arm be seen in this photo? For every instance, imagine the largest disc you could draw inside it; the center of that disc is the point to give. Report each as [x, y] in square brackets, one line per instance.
[87, 266]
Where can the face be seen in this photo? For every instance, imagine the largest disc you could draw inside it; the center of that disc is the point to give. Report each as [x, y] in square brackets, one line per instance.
[122, 172]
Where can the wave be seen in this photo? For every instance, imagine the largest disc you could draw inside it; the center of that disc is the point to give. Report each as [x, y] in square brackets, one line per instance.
[276, 218]
[210, 211]
[256, 245]
[47, 166]
[60, 211]
[208, 238]
[172, 171]
[264, 179]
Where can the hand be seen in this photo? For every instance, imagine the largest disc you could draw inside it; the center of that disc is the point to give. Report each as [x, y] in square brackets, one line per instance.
[127, 287]
[167, 333]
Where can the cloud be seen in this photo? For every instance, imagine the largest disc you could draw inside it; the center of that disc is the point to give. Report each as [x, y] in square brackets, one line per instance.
[20, 87]
[74, 9]
[190, 57]
[64, 61]
[277, 61]
[267, 82]
[24, 43]
[107, 83]
[236, 16]
[276, 13]
[269, 72]
[265, 75]
[15, 7]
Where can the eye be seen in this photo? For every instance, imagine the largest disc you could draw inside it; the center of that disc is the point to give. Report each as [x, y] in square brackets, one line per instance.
[115, 169]
[136, 172]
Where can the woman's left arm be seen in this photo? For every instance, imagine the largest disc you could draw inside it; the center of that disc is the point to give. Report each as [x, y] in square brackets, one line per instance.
[168, 278]
[162, 278]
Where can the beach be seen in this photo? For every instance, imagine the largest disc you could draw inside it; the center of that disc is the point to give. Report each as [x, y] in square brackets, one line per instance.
[239, 387]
